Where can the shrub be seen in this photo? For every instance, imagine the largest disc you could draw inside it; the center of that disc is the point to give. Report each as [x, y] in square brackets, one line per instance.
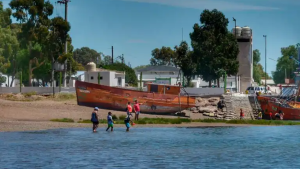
[122, 117]
[64, 96]
[66, 120]
[29, 94]
[114, 117]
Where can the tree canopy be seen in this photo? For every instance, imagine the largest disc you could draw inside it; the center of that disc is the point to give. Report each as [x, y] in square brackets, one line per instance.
[285, 64]
[184, 61]
[164, 56]
[214, 46]
[130, 76]
[85, 55]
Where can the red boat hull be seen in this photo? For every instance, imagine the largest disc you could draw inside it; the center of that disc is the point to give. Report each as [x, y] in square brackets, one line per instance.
[113, 98]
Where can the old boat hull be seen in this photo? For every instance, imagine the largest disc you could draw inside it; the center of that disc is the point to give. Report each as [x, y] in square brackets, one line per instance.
[268, 105]
[113, 98]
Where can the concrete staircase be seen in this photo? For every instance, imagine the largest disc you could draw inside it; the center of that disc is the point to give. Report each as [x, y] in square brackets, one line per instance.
[255, 106]
[233, 105]
[230, 114]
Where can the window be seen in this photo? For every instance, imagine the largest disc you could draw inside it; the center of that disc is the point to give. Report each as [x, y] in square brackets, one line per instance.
[172, 73]
[154, 88]
[119, 81]
[92, 77]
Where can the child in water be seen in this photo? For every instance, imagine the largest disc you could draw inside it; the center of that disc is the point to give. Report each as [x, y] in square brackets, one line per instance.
[110, 122]
[127, 122]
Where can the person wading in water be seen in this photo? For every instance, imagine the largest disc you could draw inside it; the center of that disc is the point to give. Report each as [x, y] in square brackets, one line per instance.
[95, 119]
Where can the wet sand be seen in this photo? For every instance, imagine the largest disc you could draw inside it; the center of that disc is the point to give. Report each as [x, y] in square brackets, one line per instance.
[36, 115]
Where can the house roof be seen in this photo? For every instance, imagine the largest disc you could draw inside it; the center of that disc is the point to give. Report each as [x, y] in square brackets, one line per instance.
[269, 81]
[158, 69]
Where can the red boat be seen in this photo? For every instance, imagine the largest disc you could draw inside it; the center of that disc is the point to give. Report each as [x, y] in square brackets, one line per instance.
[160, 99]
[290, 109]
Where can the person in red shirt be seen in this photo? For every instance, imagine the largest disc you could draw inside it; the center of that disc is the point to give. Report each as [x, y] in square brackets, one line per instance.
[129, 109]
[270, 115]
[136, 109]
[242, 114]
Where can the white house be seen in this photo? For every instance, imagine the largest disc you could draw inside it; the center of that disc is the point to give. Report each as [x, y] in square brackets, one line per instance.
[171, 75]
[164, 75]
[107, 77]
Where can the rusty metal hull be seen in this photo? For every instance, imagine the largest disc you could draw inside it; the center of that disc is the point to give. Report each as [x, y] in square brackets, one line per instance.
[113, 98]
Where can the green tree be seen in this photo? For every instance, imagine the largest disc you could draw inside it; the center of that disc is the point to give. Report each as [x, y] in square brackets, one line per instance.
[8, 42]
[258, 72]
[214, 46]
[130, 76]
[184, 61]
[106, 60]
[164, 56]
[140, 67]
[34, 18]
[285, 64]
[85, 55]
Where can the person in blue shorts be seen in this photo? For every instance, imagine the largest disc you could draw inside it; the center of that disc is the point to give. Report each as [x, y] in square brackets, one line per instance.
[110, 122]
[127, 122]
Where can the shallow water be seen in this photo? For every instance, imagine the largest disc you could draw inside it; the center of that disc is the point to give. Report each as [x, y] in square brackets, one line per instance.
[221, 147]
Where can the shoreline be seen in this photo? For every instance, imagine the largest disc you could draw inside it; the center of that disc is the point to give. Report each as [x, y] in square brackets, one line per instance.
[28, 125]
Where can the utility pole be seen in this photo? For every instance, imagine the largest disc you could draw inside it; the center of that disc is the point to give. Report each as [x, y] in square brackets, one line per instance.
[236, 77]
[112, 54]
[265, 36]
[65, 2]
[123, 58]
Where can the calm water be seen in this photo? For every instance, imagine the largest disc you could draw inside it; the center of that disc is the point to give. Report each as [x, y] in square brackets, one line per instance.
[227, 147]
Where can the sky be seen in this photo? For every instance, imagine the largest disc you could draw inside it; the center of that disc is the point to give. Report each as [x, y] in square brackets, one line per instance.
[136, 27]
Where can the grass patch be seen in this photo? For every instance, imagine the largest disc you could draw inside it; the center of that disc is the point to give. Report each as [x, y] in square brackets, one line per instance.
[65, 120]
[29, 94]
[122, 117]
[64, 96]
[26, 97]
[145, 121]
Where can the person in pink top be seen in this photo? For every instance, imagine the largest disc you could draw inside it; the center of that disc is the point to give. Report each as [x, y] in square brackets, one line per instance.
[136, 109]
[129, 109]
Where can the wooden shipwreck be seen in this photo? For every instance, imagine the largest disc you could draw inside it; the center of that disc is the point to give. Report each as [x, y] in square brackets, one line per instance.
[159, 99]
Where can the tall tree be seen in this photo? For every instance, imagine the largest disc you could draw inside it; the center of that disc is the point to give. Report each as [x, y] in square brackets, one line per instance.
[106, 60]
[285, 64]
[8, 41]
[214, 46]
[164, 56]
[85, 55]
[34, 16]
[184, 61]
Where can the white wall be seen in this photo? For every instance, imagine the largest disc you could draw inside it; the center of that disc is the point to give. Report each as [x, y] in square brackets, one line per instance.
[115, 80]
[109, 78]
[148, 76]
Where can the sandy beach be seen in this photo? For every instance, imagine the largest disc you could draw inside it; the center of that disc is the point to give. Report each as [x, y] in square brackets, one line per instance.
[36, 115]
